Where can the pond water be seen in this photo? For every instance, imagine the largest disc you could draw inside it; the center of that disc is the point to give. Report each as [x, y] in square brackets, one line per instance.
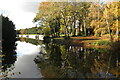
[36, 59]
[20, 63]
[24, 64]
[66, 61]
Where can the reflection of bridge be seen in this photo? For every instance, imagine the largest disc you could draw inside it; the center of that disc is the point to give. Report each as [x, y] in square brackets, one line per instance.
[40, 37]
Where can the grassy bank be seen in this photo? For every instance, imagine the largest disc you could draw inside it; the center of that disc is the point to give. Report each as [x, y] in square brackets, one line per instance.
[91, 42]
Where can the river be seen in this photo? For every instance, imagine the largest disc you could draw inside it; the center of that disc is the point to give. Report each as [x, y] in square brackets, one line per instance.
[24, 64]
[35, 59]
[20, 63]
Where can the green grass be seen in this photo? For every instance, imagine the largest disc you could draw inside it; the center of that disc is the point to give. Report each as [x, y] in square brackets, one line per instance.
[101, 42]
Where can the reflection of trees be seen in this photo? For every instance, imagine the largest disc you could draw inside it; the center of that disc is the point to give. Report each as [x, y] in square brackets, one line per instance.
[115, 54]
[79, 62]
[32, 41]
[105, 64]
[55, 55]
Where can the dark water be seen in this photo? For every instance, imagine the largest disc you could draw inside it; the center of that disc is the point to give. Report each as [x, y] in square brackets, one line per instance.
[65, 61]
[60, 61]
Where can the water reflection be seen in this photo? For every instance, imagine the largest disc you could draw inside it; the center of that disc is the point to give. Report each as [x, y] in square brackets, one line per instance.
[30, 40]
[18, 63]
[65, 61]
[25, 65]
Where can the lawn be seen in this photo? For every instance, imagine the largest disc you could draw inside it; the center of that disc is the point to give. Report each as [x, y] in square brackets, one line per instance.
[90, 41]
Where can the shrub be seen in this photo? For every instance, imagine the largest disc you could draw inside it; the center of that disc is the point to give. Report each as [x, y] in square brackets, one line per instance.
[46, 31]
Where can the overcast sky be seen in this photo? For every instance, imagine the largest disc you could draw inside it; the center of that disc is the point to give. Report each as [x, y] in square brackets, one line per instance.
[21, 12]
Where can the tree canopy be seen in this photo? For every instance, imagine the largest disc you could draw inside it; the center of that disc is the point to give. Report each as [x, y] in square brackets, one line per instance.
[77, 19]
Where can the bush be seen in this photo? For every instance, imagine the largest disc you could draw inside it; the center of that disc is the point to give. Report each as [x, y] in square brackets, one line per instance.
[101, 31]
[46, 31]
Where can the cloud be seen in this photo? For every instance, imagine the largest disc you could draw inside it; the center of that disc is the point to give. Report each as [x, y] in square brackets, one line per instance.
[21, 12]
[30, 6]
[22, 19]
[25, 50]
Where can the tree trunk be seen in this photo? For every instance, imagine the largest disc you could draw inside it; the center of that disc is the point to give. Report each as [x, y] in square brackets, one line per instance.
[66, 31]
[98, 19]
[74, 32]
[117, 31]
[108, 28]
[84, 27]
[58, 22]
[79, 28]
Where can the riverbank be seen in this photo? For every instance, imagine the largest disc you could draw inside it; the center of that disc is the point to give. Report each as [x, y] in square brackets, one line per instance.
[90, 42]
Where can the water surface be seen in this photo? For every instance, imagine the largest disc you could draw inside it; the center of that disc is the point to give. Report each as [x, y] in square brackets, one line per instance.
[24, 65]
[37, 59]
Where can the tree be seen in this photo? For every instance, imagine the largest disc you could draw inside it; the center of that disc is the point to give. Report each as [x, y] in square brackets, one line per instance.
[8, 43]
[71, 18]
[46, 31]
[49, 16]
[8, 31]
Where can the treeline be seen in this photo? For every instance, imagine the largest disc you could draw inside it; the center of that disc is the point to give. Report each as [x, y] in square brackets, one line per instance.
[78, 19]
[33, 30]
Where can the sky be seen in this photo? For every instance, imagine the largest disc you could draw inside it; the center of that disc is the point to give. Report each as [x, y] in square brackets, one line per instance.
[21, 12]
